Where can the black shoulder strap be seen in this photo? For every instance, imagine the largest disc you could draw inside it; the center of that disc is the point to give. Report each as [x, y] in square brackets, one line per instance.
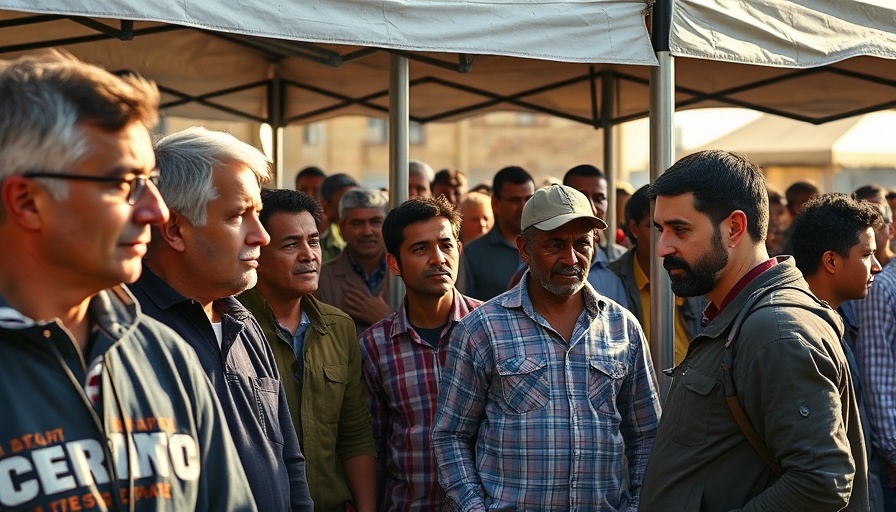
[728, 379]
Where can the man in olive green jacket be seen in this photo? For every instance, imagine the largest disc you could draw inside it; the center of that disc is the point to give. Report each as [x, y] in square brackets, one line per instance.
[325, 394]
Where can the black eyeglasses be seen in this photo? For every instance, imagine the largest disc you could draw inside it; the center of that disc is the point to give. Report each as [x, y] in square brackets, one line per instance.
[136, 184]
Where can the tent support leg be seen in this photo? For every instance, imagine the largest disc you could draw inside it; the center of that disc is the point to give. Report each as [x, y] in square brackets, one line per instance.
[399, 119]
[607, 100]
[275, 119]
[662, 154]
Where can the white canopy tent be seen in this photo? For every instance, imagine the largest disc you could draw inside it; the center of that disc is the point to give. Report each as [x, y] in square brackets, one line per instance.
[219, 59]
[303, 61]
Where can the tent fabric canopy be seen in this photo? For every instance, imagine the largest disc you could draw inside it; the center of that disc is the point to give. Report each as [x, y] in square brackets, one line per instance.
[465, 57]
[590, 31]
[229, 74]
[783, 33]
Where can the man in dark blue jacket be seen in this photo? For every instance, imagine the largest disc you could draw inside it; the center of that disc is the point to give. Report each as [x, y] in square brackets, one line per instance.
[103, 408]
[206, 253]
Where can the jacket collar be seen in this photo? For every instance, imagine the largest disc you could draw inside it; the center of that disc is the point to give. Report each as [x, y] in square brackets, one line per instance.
[165, 297]
[782, 274]
[114, 310]
[255, 302]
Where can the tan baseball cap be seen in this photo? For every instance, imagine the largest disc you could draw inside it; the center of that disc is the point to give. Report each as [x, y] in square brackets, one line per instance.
[554, 206]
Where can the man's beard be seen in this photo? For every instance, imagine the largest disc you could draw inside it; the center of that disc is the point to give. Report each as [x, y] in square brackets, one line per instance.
[562, 290]
[701, 278]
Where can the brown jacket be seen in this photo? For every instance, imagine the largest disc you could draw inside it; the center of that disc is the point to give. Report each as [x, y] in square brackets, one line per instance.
[337, 276]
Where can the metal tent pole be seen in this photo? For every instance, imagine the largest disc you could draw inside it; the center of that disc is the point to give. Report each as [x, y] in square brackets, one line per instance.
[399, 119]
[275, 120]
[662, 149]
[608, 98]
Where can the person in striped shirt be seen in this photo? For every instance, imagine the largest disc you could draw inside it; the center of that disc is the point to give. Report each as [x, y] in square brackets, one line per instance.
[404, 353]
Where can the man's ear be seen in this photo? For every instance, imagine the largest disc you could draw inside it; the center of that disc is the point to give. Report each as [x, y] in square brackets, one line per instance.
[734, 228]
[392, 263]
[632, 222]
[171, 231]
[830, 262]
[22, 201]
[523, 247]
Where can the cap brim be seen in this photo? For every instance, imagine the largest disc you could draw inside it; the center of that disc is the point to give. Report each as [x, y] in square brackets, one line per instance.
[556, 222]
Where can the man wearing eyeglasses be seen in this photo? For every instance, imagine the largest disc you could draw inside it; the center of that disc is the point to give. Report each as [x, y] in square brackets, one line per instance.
[92, 389]
[489, 262]
[206, 253]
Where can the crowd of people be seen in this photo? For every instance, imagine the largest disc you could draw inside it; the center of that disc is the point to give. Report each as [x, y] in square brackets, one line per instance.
[175, 335]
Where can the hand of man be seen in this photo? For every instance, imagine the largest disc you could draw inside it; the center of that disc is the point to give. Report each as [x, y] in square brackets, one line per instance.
[362, 305]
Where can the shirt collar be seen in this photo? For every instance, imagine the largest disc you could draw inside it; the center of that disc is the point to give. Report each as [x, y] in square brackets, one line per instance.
[713, 311]
[641, 279]
[402, 324]
[164, 296]
[380, 270]
[11, 318]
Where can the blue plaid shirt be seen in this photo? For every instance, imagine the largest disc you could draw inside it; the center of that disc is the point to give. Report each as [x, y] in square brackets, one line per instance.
[876, 354]
[529, 422]
[372, 280]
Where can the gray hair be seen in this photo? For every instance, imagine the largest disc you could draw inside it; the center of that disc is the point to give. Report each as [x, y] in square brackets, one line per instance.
[186, 160]
[422, 168]
[44, 98]
[362, 198]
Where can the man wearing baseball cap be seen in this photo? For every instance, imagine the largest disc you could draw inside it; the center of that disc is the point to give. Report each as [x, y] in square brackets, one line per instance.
[548, 400]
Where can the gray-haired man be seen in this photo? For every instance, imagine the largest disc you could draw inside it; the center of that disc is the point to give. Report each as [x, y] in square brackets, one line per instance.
[355, 281]
[206, 253]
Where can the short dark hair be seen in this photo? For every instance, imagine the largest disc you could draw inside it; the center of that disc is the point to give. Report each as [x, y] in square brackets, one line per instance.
[775, 196]
[830, 222]
[796, 191]
[868, 191]
[452, 178]
[513, 174]
[637, 208]
[416, 209]
[721, 182]
[312, 171]
[584, 170]
[335, 183]
[283, 200]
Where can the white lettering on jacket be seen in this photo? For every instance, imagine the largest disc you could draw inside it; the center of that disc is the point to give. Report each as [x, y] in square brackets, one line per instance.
[64, 467]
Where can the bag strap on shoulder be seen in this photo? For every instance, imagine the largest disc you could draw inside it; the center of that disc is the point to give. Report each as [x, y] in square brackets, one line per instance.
[728, 378]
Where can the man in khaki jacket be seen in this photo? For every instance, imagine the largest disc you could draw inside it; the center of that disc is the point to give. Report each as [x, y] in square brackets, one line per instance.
[318, 356]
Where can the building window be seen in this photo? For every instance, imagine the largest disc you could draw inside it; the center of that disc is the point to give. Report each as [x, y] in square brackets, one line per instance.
[378, 132]
[416, 133]
[526, 119]
[313, 134]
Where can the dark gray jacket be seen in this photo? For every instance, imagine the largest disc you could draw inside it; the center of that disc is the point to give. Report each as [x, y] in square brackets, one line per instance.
[245, 377]
[154, 407]
[794, 383]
